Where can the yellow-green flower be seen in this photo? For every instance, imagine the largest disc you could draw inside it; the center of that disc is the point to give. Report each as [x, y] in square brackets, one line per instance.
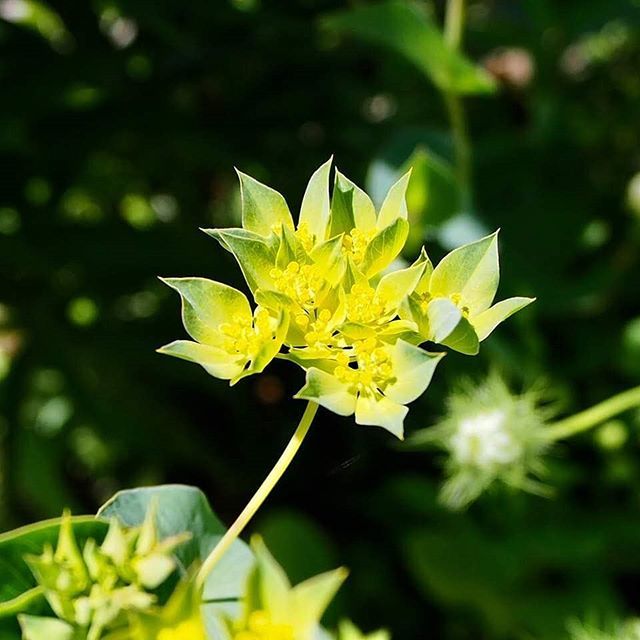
[328, 299]
[275, 610]
[231, 340]
[452, 303]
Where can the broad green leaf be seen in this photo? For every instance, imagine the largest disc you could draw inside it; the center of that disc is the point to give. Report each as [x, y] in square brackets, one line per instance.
[395, 204]
[413, 369]
[254, 254]
[406, 29]
[264, 210]
[433, 195]
[39, 628]
[472, 272]
[216, 362]
[488, 320]
[385, 247]
[17, 583]
[364, 213]
[381, 412]
[182, 508]
[328, 391]
[314, 212]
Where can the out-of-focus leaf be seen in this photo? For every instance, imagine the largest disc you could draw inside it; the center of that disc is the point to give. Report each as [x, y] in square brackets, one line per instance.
[406, 29]
[40, 18]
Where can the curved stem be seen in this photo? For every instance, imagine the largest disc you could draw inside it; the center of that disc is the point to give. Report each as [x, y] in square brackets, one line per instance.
[260, 495]
[596, 415]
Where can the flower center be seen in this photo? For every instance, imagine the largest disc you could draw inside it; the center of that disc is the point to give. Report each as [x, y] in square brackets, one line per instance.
[260, 627]
[355, 244]
[304, 237]
[373, 370]
[363, 305]
[246, 337]
[301, 283]
[320, 334]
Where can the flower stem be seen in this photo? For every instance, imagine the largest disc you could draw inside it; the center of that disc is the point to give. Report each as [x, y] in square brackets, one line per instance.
[596, 415]
[260, 495]
[453, 30]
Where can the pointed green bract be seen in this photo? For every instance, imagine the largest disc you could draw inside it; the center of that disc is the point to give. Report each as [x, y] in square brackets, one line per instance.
[41, 628]
[385, 247]
[488, 320]
[264, 210]
[472, 272]
[314, 212]
[348, 631]
[394, 205]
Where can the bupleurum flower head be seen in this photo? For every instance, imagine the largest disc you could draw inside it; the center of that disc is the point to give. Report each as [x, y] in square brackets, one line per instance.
[326, 298]
[489, 435]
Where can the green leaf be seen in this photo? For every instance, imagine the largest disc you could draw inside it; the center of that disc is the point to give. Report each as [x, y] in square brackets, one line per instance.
[385, 247]
[395, 204]
[472, 272]
[254, 254]
[410, 32]
[17, 584]
[264, 210]
[342, 207]
[380, 411]
[314, 212]
[40, 628]
[488, 320]
[182, 508]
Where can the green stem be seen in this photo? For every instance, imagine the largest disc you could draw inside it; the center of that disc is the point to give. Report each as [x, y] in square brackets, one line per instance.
[596, 415]
[454, 23]
[453, 31]
[260, 495]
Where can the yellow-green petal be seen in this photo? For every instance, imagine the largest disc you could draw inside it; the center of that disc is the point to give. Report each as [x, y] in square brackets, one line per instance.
[328, 391]
[488, 320]
[472, 272]
[348, 631]
[264, 210]
[273, 585]
[378, 411]
[314, 212]
[41, 628]
[413, 369]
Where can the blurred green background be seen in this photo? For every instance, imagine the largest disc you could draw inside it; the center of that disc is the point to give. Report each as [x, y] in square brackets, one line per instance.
[120, 125]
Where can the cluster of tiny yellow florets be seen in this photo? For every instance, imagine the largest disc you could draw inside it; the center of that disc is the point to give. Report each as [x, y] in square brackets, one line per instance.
[245, 336]
[355, 244]
[372, 368]
[260, 627]
[187, 630]
[363, 304]
[301, 283]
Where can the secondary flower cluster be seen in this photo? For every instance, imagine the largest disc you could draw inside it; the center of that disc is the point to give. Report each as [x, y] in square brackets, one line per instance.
[93, 591]
[329, 299]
